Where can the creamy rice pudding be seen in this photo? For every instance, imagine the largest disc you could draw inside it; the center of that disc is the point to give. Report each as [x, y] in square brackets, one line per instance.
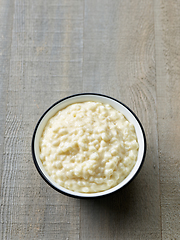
[88, 147]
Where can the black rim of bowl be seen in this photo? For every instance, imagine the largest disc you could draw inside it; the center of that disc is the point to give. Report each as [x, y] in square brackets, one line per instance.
[49, 182]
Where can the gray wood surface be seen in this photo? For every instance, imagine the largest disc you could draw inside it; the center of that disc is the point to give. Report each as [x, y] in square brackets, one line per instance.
[168, 98]
[129, 50]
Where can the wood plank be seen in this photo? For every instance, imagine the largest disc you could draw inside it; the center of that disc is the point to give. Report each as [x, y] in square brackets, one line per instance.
[167, 17]
[45, 65]
[6, 13]
[119, 60]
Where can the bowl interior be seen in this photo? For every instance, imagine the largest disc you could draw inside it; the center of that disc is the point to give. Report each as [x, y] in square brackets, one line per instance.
[82, 98]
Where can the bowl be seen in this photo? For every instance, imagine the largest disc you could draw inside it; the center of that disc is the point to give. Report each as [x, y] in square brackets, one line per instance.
[131, 117]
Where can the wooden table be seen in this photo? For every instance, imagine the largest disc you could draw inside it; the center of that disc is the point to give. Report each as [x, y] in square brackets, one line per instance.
[129, 50]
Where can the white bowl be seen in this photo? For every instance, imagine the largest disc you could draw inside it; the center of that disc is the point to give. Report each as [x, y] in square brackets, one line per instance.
[82, 98]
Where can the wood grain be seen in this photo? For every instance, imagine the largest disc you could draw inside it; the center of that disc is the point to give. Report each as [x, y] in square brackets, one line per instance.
[167, 17]
[5, 30]
[5, 42]
[126, 49]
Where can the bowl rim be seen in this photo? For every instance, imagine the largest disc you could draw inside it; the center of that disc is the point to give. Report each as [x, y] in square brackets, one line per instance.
[69, 194]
